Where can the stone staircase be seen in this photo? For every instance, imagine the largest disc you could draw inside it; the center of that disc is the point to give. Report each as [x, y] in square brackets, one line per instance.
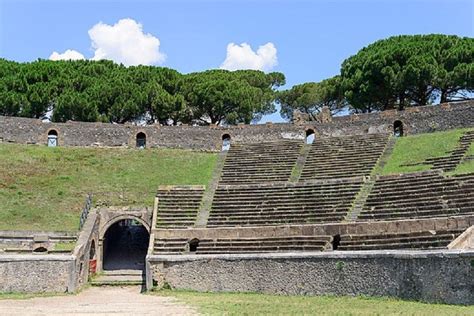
[178, 205]
[119, 277]
[277, 204]
[343, 157]
[419, 195]
[413, 240]
[174, 246]
[208, 195]
[260, 163]
[451, 161]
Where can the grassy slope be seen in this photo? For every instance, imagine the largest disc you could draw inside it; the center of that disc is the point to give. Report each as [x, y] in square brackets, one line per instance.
[44, 188]
[466, 166]
[261, 304]
[415, 149]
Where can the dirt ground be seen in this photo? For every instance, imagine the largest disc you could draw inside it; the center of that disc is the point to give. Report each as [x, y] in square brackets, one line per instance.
[98, 301]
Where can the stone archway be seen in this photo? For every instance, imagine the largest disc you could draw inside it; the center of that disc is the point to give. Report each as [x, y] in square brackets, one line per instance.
[124, 243]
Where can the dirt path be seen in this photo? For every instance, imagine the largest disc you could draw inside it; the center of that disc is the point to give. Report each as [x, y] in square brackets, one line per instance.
[98, 301]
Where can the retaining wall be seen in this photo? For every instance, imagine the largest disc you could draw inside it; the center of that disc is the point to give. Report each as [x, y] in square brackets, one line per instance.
[415, 120]
[28, 273]
[375, 227]
[431, 276]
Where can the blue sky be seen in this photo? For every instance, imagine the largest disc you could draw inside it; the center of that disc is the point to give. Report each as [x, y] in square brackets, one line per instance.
[311, 38]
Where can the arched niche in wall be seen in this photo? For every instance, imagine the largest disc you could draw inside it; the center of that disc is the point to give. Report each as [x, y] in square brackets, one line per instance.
[53, 140]
[398, 128]
[310, 135]
[193, 245]
[226, 142]
[141, 140]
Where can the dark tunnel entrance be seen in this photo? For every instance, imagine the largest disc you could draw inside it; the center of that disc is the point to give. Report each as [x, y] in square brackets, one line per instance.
[125, 246]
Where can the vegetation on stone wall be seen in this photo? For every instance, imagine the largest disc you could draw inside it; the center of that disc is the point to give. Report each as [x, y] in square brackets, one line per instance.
[45, 188]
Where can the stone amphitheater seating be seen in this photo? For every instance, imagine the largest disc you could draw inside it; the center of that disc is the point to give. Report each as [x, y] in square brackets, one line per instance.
[414, 240]
[419, 195]
[245, 245]
[450, 162]
[178, 205]
[288, 203]
[341, 157]
[260, 163]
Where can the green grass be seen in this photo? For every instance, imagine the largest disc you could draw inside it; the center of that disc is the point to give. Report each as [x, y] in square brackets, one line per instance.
[45, 188]
[415, 149]
[263, 304]
[24, 296]
[466, 166]
[64, 246]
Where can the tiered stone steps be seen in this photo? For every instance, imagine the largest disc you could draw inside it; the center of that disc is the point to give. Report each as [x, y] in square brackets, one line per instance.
[419, 195]
[178, 205]
[265, 244]
[260, 163]
[170, 246]
[119, 277]
[343, 157]
[450, 162]
[414, 240]
[173, 246]
[276, 204]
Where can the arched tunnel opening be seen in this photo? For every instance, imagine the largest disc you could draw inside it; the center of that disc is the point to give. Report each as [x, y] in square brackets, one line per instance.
[125, 246]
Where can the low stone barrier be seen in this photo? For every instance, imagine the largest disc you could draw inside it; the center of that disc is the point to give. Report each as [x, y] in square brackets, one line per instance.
[445, 276]
[29, 273]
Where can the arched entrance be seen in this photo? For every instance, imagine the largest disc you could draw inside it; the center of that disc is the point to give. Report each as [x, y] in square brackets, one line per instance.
[398, 128]
[125, 245]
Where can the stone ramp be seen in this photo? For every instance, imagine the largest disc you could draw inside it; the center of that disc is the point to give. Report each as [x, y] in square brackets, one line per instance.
[98, 301]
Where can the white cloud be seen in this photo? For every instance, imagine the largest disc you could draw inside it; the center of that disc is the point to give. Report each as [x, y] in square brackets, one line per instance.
[69, 54]
[124, 42]
[243, 57]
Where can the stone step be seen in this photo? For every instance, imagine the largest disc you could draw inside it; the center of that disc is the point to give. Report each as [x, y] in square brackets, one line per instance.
[119, 277]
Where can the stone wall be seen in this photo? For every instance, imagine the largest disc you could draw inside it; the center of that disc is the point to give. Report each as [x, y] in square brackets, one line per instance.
[33, 239]
[431, 276]
[376, 227]
[415, 120]
[86, 250]
[209, 138]
[36, 273]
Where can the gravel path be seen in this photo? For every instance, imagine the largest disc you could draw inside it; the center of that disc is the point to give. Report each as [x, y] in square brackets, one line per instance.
[98, 301]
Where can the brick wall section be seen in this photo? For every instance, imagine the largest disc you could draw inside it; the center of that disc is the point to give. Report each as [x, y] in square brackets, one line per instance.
[415, 120]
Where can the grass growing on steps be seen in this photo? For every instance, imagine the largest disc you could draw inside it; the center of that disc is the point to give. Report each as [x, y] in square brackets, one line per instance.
[415, 149]
[263, 304]
[44, 188]
[466, 166]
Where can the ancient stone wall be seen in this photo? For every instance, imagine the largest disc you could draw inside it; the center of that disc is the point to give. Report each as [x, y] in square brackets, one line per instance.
[415, 120]
[86, 250]
[431, 276]
[36, 273]
[376, 227]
